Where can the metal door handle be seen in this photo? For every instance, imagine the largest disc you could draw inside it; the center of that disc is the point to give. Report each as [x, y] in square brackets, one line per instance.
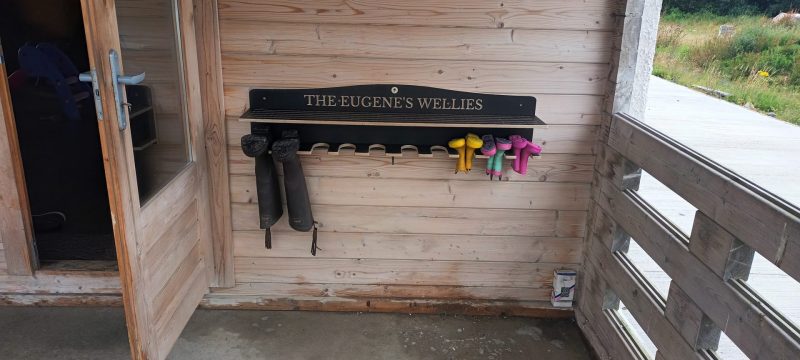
[91, 76]
[131, 79]
[85, 77]
[118, 84]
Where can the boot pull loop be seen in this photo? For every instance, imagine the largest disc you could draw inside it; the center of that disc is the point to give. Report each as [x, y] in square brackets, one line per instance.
[268, 239]
[314, 240]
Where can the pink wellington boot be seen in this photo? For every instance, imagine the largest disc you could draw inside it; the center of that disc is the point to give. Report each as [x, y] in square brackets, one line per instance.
[517, 143]
[530, 149]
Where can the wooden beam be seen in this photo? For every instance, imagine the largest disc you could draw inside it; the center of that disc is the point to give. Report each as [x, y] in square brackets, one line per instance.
[68, 300]
[210, 65]
[16, 226]
[64, 283]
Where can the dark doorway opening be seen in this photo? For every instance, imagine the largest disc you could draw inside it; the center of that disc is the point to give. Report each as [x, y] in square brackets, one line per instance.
[44, 47]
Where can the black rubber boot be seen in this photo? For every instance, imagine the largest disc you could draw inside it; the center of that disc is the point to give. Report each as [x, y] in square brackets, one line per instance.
[270, 208]
[294, 182]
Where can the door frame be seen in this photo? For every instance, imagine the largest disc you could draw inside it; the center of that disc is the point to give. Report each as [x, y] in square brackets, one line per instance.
[209, 57]
[16, 227]
[16, 224]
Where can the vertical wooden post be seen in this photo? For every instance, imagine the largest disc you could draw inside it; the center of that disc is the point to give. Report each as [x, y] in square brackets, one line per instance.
[210, 64]
[16, 226]
[726, 255]
[693, 325]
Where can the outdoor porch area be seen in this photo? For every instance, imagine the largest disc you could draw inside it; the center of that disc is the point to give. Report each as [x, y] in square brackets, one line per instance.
[676, 290]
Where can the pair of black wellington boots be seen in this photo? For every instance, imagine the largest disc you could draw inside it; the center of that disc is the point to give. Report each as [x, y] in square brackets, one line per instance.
[270, 209]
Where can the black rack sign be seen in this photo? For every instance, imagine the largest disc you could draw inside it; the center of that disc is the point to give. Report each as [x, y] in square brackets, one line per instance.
[391, 99]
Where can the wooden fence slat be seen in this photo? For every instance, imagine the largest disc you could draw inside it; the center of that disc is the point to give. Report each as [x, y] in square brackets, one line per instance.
[754, 332]
[608, 340]
[642, 304]
[759, 219]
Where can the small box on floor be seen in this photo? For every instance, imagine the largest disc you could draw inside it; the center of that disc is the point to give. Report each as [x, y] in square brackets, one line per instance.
[563, 288]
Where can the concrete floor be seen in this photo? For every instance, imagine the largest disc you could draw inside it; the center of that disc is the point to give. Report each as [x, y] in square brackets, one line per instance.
[99, 333]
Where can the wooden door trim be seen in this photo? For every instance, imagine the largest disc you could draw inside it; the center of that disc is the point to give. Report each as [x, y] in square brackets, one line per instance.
[16, 225]
[196, 128]
[210, 66]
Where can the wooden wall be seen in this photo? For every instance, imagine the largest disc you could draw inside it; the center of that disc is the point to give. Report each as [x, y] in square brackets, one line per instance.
[3, 267]
[408, 228]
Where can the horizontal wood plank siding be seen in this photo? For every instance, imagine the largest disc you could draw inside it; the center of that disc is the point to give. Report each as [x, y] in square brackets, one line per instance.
[427, 292]
[396, 272]
[408, 227]
[533, 14]
[431, 193]
[391, 42]
[413, 246]
[272, 71]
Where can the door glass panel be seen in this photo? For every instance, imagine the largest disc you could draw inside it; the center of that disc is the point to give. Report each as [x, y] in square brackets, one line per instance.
[150, 41]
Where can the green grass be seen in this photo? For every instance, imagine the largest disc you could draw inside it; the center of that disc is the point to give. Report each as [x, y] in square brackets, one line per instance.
[689, 52]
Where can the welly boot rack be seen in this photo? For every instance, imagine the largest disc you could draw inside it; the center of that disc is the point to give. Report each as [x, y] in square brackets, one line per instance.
[388, 120]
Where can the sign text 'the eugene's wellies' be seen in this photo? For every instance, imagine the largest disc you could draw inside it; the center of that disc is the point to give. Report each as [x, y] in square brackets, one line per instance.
[392, 102]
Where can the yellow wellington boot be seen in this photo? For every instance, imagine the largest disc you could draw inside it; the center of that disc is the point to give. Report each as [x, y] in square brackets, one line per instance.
[459, 145]
[473, 143]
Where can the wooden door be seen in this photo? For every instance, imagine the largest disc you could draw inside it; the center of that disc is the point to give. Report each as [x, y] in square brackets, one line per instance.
[157, 181]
